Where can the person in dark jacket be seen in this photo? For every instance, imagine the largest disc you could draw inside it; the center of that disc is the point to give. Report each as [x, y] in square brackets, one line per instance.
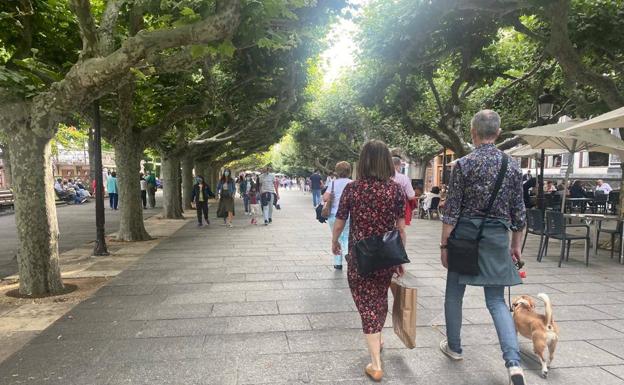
[201, 192]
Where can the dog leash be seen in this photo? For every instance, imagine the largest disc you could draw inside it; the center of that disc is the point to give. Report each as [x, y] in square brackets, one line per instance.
[509, 297]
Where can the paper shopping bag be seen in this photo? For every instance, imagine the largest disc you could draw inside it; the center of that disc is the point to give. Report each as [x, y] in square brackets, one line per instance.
[404, 312]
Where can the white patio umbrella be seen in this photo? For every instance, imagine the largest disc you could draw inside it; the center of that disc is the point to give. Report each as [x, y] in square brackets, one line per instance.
[555, 136]
[612, 119]
[526, 151]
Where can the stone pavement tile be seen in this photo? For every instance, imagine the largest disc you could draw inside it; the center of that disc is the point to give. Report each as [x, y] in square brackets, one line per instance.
[125, 290]
[182, 288]
[340, 320]
[14, 341]
[153, 349]
[584, 298]
[181, 327]
[616, 285]
[82, 314]
[437, 303]
[197, 310]
[571, 354]
[271, 277]
[312, 262]
[477, 316]
[579, 313]
[300, 294]
[616, 370]
[316, 284]
[614, 324]
[6, 308]
[316, 306]
[212, 371]
[266, 323]
[617, 311]
[587, 287]
[244, 308]
[74, 330]
[586, 330]
[533, 289]
[577, 376]
[607, 279]
[429, 317]
[250, 269]
[202, 277]
[52, 360]
[246, 344]
[613, 346]
[315, 275]
[302, 269]
[122, 301]
[245, 286]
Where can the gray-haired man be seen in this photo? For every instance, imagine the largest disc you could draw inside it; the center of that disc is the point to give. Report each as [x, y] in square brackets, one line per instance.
[471, 185]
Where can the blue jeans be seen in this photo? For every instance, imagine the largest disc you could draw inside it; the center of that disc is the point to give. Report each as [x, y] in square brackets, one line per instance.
[495, 301]
[316, 197]
[113, 200]
[343, 239]
[267, 210]
[246, 202]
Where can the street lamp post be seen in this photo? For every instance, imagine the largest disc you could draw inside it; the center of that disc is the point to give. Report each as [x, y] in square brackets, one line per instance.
[545, 104]
[100, 240]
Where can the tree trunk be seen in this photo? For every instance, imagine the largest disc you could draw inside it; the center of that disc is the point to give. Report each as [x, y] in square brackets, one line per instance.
[6, 161]
[35, 215]
[187, 182]
[170, 170]
[128, 151]
[91, 159]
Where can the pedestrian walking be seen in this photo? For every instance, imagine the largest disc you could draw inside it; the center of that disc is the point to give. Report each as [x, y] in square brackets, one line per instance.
[226, 189]
[199, 199]
[269, 194]
[316, 185]
[406, 184]
[244, 189]
[254, 199]
[151, 189]
[333, 194]
[143, 183]
[113, 192]
[375, 205]
[473, 201]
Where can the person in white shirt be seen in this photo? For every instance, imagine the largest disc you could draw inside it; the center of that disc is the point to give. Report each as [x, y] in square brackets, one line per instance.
[602, 186]
[269, 194]
[337, 185]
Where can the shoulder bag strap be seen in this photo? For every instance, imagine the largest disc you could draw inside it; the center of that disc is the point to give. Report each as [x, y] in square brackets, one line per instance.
[497, 187]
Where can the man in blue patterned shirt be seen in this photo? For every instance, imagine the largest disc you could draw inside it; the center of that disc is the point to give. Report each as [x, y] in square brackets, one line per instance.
[471, 185]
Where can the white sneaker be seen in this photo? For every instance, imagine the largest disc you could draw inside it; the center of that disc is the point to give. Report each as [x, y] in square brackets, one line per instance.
[449, 353]
[516, 376]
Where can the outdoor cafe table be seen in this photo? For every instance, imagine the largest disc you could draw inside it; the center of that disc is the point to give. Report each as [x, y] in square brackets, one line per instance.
[593, 220]
[569, 201]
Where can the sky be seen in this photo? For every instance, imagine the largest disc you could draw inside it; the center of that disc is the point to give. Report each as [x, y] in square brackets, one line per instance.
[341, 53]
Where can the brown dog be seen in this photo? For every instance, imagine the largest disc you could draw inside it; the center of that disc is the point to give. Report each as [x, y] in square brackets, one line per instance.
[541, 329]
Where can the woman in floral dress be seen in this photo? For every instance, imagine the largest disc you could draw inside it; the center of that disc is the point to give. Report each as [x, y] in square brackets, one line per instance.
[375, 205]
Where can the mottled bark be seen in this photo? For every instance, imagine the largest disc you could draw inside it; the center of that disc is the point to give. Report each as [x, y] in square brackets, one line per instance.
[170, 169]
[35, 216]
[6, 161]
[128, 150]
[187, 182]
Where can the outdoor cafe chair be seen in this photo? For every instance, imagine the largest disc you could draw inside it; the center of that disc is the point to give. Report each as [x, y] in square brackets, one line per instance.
[600, 202]
[614, 200]
[557, 228]
[535, 226]
[553, 201]
[435, 208]
[615, 233]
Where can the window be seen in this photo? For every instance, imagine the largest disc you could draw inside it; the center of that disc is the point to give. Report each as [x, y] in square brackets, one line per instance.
[555, 161]
[598, 159]
[524, 162]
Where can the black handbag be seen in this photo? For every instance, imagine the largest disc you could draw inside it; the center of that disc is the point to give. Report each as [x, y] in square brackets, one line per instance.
[380, 252]
[319, 213]
[463, 254]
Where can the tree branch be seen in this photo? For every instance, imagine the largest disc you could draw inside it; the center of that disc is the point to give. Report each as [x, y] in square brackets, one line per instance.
[519, 80]
[88, 31]
[107, 26]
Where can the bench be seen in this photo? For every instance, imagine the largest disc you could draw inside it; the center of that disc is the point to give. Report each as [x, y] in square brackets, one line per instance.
[7, 200]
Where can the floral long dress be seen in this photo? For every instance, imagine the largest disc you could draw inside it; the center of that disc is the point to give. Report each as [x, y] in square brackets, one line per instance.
[374, 207]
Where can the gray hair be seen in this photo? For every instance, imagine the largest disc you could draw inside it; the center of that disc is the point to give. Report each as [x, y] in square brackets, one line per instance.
[396, 160]
[486, 124]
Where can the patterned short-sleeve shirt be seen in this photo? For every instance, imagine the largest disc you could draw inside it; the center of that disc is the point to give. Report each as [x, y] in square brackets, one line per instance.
[373, 206]
[471, 185]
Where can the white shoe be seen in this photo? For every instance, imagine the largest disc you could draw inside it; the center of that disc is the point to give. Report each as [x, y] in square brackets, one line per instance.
[516, 376]
[449, 353]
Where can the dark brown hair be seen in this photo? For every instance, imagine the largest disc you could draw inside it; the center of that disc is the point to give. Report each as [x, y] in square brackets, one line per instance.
[343, 169]
[375, 161]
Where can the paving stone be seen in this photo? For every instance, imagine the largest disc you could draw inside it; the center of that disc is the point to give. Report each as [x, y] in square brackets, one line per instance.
[267, 323]
[613, 346]
[586, 330]
[573, 354]
[246, 344]
[181, 327]
[328, 306]
[586, 287]
[271, 277]
[616, 370]
[153, 349]
[246, 286]
[197, 310]
[316, 284]
[204, 297]
[126, 290]
[246, 308]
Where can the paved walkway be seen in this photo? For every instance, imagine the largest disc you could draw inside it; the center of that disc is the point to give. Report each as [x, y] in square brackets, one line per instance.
[76, 225]
[261, 305]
